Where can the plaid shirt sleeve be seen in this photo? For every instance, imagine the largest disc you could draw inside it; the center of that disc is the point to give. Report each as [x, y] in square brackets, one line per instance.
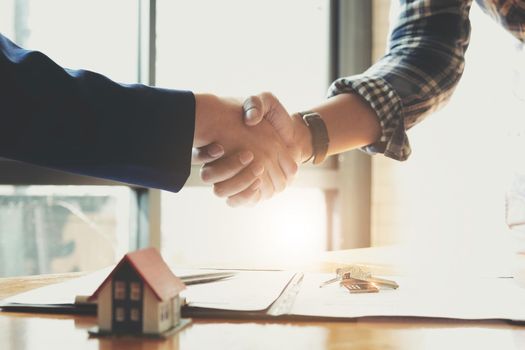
[424, 62]
[509, 13]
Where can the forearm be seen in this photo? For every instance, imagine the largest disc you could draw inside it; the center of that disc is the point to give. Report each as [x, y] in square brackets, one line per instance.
[350, 121]
[424, 63]
[82, 122]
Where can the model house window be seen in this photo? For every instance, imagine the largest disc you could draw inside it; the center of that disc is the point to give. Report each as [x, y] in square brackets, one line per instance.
[164, 311]
[120, 314]
[167, 312]
[135, 315]
[120, 290]
[135, 291]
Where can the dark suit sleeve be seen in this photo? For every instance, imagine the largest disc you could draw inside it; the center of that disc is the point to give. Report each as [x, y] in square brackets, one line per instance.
[82, 122]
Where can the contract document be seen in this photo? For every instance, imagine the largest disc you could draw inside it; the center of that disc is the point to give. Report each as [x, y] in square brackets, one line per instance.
[465, 298]
[287, 294]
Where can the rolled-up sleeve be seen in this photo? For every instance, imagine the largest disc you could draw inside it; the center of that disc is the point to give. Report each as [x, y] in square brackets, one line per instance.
[423, 64]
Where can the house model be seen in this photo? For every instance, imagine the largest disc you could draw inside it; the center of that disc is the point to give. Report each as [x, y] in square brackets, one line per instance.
[139, 297]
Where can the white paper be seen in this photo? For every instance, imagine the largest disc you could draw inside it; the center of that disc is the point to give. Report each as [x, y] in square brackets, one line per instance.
[476, 298]
[246, 291]
[465, 298]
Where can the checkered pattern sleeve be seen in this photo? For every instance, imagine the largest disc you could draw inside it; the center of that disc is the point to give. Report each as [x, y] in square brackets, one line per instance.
[419, 72]
[509, 13]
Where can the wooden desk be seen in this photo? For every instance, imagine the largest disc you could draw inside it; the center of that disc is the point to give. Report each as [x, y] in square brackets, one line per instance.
[37, 331]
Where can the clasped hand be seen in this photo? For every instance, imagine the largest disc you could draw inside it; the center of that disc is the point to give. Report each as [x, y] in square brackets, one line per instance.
[250, 150]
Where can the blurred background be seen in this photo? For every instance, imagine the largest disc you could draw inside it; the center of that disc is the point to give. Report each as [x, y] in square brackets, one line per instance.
[448, 197]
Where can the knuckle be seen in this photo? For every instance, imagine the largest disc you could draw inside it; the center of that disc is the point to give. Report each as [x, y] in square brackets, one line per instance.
[267, 95]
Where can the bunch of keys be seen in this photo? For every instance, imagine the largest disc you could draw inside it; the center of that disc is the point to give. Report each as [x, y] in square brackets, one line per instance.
[358, 279]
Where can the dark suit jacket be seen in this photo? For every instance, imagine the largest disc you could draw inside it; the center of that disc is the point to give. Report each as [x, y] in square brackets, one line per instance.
[82, 122]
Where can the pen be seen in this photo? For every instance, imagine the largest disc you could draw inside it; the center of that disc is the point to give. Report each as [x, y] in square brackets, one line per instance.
[206, 277]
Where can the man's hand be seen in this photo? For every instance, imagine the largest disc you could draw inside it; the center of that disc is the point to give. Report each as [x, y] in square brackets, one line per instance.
[350, 121]
[256, 162]
[231, 170]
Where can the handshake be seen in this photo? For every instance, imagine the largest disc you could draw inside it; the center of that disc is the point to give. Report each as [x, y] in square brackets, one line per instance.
[250, 150]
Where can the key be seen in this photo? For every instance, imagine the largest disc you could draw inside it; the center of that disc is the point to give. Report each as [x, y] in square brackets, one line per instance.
[330, 281]
[341, 272]
[359, 286]
[354, 269]
[357, 272]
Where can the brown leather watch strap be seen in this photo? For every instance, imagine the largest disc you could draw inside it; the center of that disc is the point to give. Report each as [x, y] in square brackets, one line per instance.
[320, 140]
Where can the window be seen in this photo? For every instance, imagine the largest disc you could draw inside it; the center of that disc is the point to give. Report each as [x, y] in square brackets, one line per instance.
[236, 54]
[65, 31]
[135, 315]
[199, 50]
[120, 315]
[164, 311]
[47, 229]
[451, 194]
[62, 226]
[120, 290]
[135, 291]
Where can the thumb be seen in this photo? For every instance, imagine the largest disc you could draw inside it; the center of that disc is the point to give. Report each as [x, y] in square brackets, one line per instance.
[267, 106]
[253, 110]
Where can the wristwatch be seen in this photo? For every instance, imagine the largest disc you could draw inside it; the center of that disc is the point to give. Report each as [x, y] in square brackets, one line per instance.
[320, 140]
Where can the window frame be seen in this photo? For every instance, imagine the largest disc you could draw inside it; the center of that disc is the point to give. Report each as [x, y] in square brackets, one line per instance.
[119, 292]
[15, 173]
[346, 179]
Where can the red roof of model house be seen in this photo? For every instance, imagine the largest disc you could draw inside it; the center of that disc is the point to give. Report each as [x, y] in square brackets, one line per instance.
[153, 271]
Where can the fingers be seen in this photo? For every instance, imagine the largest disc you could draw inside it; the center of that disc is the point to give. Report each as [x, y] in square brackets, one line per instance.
[245, 179]
[227, 167]
[207, 153]
[250, 183]
[278, 179]
[288, 166]
[239, 178]
[253, 184]
[248, 197]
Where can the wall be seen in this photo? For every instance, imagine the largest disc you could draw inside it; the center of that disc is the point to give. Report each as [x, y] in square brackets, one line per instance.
[150, 312]
[104, 307]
